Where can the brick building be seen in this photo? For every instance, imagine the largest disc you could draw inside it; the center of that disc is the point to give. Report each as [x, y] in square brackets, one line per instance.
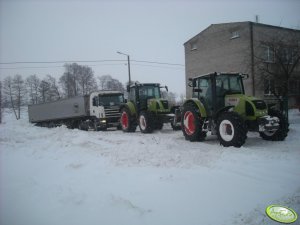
[242, 47]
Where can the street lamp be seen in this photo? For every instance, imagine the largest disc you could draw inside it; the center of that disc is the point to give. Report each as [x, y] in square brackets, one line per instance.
[128, 59]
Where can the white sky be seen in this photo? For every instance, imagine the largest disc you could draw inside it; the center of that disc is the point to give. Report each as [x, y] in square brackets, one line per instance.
[154, 30]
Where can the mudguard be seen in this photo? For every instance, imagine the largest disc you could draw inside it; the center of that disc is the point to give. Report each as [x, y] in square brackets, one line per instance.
[196, 102]
[130, 106]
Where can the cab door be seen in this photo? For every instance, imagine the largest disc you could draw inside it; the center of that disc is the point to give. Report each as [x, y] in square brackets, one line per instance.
[95, 109]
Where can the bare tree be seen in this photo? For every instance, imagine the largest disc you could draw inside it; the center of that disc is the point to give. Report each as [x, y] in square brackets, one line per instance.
[44, 89]
[15, 89]
[33, 83]
[86, 80]
[278, 61]
[53, 92]
[77, 79]
[106, 82]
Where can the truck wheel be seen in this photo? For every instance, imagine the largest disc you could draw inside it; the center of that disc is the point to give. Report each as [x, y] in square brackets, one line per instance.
[145, 122]
[191, 124]
[231, 129]
[281, 133]
[127, 122]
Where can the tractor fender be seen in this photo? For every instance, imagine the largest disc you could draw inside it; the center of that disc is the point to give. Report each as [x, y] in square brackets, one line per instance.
[225, 109]
[198, 104]
[130, 106]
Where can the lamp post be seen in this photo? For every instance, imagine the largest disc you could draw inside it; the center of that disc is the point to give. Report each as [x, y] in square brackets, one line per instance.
[128, 61]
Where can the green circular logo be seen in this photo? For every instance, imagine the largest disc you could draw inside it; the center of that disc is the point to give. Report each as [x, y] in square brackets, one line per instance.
[281, 214]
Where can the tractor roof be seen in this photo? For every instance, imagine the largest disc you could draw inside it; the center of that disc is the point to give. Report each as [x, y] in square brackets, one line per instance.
[220, 73]
[144, 84]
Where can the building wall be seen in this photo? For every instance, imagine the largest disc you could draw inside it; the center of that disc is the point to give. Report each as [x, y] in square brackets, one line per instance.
[218, 51]
[264, 34]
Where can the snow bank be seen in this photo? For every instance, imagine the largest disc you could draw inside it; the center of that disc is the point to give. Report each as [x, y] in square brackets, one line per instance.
[62, 176]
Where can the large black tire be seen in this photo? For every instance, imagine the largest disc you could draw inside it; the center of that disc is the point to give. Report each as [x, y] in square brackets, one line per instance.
[146, 122]
[231, 129]
[127, 121]
[158, 125]
[283, 130]
[191, 124]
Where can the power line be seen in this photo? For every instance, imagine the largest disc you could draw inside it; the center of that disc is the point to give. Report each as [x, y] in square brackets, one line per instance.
[87, 61]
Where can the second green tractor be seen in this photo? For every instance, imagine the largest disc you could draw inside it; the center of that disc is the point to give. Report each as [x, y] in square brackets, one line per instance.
[145, 108]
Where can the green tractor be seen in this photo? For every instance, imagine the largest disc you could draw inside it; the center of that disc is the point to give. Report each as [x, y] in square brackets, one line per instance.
[219, 105]
[145, 108]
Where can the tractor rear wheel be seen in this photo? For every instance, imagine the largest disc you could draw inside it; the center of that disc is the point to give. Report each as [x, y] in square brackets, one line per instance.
[231, 129]
[127, 122]
[191, 124]
[145, 122]
[281, 133]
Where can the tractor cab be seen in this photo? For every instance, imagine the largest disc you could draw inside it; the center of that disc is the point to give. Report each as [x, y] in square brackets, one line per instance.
[213, 89]
[140, 93]
[144, 95]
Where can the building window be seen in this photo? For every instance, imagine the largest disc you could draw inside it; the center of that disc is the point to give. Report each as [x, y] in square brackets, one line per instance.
[193, 46]
[288, 55]
[294, 87]
[268, 87]
[235, 34]
[268, 54]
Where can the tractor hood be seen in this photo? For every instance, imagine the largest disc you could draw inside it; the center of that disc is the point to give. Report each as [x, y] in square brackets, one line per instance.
[158, 105]
[247, 106]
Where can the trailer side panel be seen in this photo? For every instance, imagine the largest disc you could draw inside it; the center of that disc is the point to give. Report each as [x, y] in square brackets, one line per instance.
[62, 109]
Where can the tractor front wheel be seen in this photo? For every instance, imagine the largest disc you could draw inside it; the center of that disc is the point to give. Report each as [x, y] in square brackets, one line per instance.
[191, 124]
[281, 133]
[127, 122]
[231, 129]
[145, 122]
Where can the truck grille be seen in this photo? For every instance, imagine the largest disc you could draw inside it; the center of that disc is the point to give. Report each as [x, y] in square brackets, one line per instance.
[259, 104]
[111, 112]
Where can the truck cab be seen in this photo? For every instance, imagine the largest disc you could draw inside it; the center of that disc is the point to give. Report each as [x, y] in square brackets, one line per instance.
[104, 105]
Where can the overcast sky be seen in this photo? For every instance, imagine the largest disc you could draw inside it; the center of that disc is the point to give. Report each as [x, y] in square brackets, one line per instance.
[45, 30]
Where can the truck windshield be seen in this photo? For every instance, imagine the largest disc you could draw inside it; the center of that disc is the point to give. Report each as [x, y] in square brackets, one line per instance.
[149, 91]
[110, 100]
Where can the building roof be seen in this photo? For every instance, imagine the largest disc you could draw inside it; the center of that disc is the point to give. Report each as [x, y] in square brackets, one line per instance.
[245, 23]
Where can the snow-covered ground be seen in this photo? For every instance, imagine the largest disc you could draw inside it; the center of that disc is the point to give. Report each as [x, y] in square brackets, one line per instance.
[60, 176]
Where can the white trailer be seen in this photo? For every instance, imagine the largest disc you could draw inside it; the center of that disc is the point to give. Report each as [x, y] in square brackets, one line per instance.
[98, 111]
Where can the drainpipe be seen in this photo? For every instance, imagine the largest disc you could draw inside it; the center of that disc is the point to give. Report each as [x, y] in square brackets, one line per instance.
[252, 58]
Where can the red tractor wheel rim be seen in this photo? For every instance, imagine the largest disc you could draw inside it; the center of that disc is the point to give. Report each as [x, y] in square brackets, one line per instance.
[189, 123]
[124, 120]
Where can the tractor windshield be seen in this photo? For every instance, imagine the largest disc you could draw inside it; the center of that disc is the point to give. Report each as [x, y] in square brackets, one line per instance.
[146, 92]
[227, 84]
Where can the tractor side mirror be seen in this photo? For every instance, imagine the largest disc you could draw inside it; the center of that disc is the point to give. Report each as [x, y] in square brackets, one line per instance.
[245, 76]
[166, 87]
[192, 82]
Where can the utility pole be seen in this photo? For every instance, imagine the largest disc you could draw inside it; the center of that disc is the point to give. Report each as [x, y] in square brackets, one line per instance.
[128, 62]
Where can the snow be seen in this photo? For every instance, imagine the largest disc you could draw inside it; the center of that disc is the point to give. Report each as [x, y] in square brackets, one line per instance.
[60, 176]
